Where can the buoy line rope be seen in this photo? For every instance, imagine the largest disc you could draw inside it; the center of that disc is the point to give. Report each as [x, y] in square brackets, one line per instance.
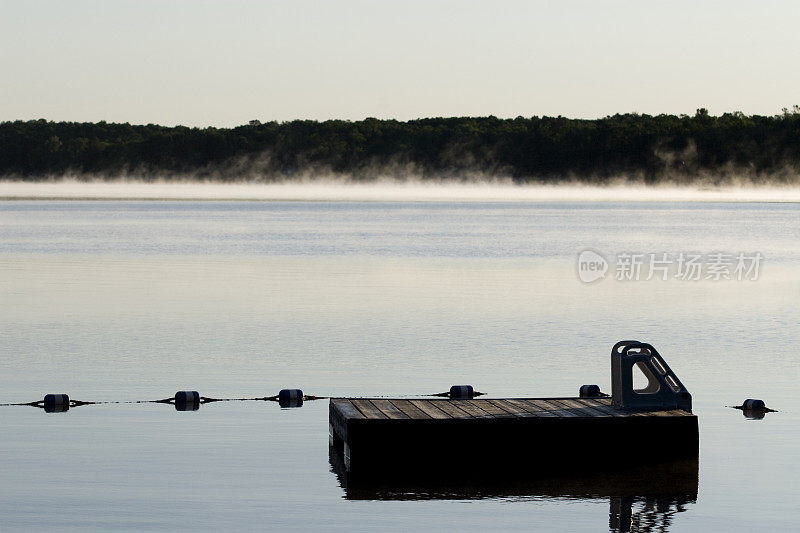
[191, 400]
[298, 397]
[762, 409]
[276, 398]
[72, 403]
[203, 400]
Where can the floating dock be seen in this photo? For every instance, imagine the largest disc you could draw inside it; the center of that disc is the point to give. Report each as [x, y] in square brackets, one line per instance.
[379, 436]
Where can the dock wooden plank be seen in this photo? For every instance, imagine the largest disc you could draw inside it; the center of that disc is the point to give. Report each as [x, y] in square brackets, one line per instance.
[532, 410]
[346, 408]
[386, 407]
[547, 405]
[422, 409]
[581, 408]
[366, 407]
[613, 411]
[411, 410]
[491, 408]
[603, 407]
[430, 409]
[673, 412]
[471, 408]
[510, 407]
[450, 408]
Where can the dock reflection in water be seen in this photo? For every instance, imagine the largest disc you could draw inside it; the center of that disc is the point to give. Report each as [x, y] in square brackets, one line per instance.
[640, 499]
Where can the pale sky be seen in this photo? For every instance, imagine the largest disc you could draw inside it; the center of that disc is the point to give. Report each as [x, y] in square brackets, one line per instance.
[204, 63]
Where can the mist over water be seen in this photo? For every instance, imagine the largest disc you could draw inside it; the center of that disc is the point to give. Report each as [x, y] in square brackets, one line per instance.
[392, 190]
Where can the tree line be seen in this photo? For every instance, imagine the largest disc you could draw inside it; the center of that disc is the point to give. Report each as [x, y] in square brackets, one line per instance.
[537, 149]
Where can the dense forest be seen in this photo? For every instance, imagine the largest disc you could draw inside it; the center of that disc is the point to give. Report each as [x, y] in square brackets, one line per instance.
[538, 149]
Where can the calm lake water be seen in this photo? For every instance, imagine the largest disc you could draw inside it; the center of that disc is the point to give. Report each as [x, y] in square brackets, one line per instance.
[125, 301]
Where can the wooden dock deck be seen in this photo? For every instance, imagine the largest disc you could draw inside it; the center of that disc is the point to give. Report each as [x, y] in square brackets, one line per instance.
[375, 436]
